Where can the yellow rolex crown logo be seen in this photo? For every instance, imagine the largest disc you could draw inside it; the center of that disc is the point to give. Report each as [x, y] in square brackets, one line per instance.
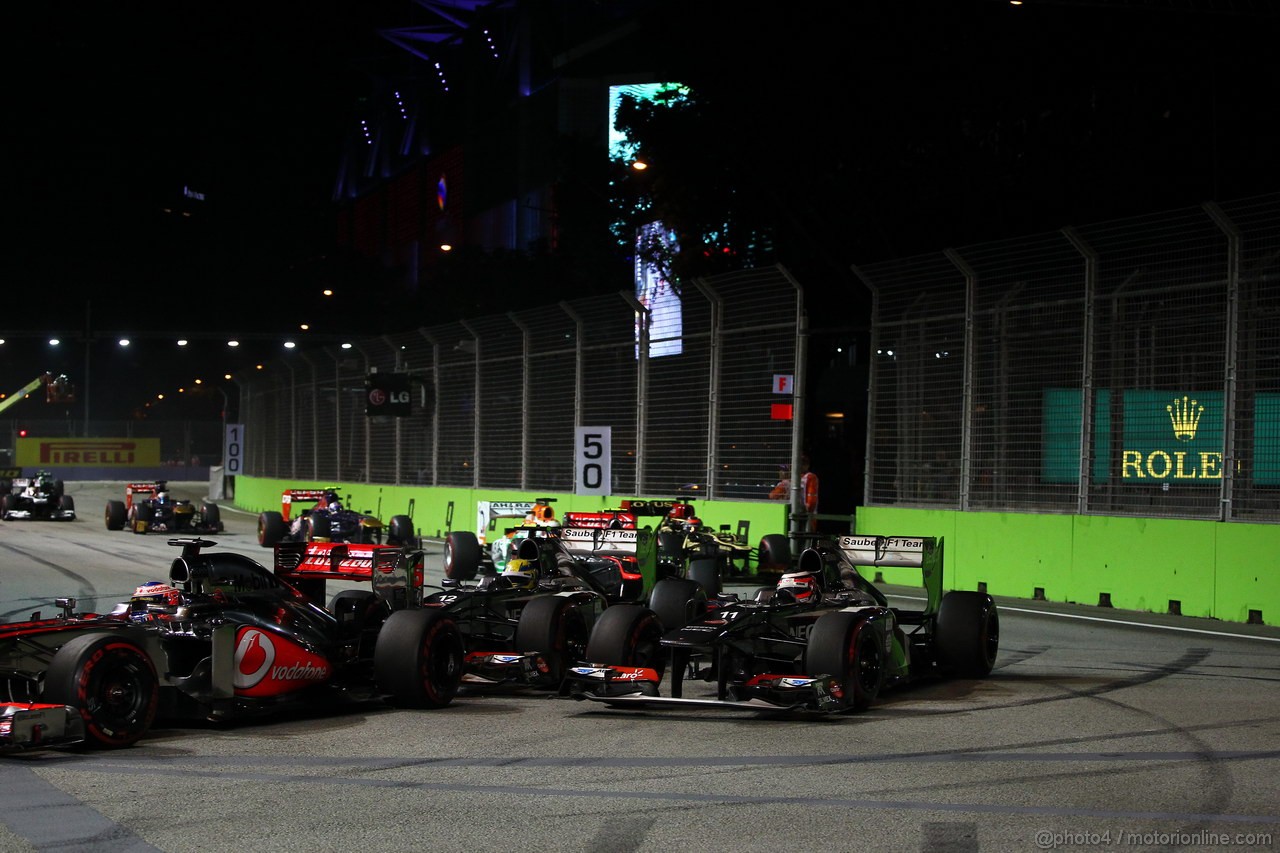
[1185, 414]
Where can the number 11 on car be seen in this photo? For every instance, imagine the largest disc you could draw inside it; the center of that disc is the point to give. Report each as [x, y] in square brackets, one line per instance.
[593, 475]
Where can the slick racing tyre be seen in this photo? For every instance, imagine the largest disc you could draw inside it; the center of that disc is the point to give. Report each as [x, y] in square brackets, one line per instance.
[774, 553]
[271, 529]
[111, 682]
[553, 626]
[677, 602]
[706, 571]
[847, 646]
[461, 555]
[211, 516]
[968, 634]
[418, 658]
[627, 635]
[400, 530]
[116, 515]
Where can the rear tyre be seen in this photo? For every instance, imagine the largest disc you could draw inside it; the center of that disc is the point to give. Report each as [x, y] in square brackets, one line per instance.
[847, 646]
[967, 638]
[461, 555]
[774, 553]
[111, 682]
[400, 530]
[706, 571]
[552, 626]
[418, 658]
[677, 602]
[143, 514]
[319, 528]
[116, 515]
[271, 529]
[66, 503]
[627, 635]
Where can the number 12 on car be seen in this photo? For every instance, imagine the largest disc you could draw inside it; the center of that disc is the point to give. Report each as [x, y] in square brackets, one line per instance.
[594, 451]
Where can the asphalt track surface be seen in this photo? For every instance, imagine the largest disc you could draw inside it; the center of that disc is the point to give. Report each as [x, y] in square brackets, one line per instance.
[1097, 729]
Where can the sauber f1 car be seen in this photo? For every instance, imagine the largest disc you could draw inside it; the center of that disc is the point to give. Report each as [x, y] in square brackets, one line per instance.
[824, 639]
[226, 638]
[329, 521]
[528, 624]
[39, 497]
[149, 508]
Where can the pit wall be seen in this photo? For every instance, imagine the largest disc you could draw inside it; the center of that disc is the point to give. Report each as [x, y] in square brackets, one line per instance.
[1227, 571]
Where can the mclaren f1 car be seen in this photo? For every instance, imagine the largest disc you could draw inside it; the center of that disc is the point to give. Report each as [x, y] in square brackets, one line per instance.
[225, 638]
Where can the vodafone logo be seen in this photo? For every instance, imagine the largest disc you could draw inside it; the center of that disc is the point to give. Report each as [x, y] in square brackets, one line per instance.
[255, 654]
[272, 665]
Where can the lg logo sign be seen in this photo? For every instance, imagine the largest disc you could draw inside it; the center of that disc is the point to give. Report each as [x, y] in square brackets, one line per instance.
[387, 394]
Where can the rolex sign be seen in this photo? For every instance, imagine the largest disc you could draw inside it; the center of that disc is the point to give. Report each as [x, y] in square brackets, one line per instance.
[386, 394]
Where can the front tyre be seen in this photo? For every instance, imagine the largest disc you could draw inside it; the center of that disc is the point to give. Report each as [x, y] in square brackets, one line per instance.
[110, 680]
[554, 627]
[967, 637]
[847, 646]
[461, 555]
[271, 529]
[627, 635]
[418, 658]
[400, 530]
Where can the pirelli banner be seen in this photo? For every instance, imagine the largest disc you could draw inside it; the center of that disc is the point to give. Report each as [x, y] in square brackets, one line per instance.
[94, 452]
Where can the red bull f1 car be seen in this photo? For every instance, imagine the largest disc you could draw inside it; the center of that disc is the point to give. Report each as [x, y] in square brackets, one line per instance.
[326, 519]
[824, 639]
[225, 638]
[150, 508]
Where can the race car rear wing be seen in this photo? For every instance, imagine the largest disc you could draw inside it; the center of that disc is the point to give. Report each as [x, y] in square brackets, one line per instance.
[922, 552]
[300, 496]
[396, 574]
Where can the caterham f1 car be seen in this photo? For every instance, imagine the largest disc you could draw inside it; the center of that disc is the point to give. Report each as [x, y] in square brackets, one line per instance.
[150, 508]
[225, 638]
[327, 520]
[40, 497]
[526, 625]
[824, 639]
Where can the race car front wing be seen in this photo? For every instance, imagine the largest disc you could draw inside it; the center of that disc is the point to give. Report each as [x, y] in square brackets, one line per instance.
[26, 725]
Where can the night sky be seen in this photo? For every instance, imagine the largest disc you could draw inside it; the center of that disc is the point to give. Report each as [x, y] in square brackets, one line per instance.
[887, 130]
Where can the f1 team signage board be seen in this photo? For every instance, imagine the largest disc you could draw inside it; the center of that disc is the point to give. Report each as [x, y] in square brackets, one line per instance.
[593, 451]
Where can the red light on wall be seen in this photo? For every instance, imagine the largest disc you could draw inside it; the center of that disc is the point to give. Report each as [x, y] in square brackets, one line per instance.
[780, 411]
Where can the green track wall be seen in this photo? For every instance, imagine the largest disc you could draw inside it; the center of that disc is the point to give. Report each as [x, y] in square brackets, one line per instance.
[1212, 569]
[1218, 570]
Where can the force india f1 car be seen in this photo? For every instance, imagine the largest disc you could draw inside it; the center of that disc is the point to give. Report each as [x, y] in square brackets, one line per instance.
[39, 497]
[226, 638]
[825, 639]
[329, 521]
[149, 508]
[526, 625]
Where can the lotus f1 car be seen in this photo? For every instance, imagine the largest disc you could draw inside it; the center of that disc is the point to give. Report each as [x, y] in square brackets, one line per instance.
[149, 508]
[225, 638]
[39, 497]
[825, 639]
[329, 521]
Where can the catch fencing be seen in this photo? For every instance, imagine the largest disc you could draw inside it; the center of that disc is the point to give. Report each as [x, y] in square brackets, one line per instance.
[1128, 368]
[686, 385]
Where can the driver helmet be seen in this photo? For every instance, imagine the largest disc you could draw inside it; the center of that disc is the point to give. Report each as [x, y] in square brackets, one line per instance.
[162, 497]
[331, 500]
[803, 586]
[521, 573]
[154, 593]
